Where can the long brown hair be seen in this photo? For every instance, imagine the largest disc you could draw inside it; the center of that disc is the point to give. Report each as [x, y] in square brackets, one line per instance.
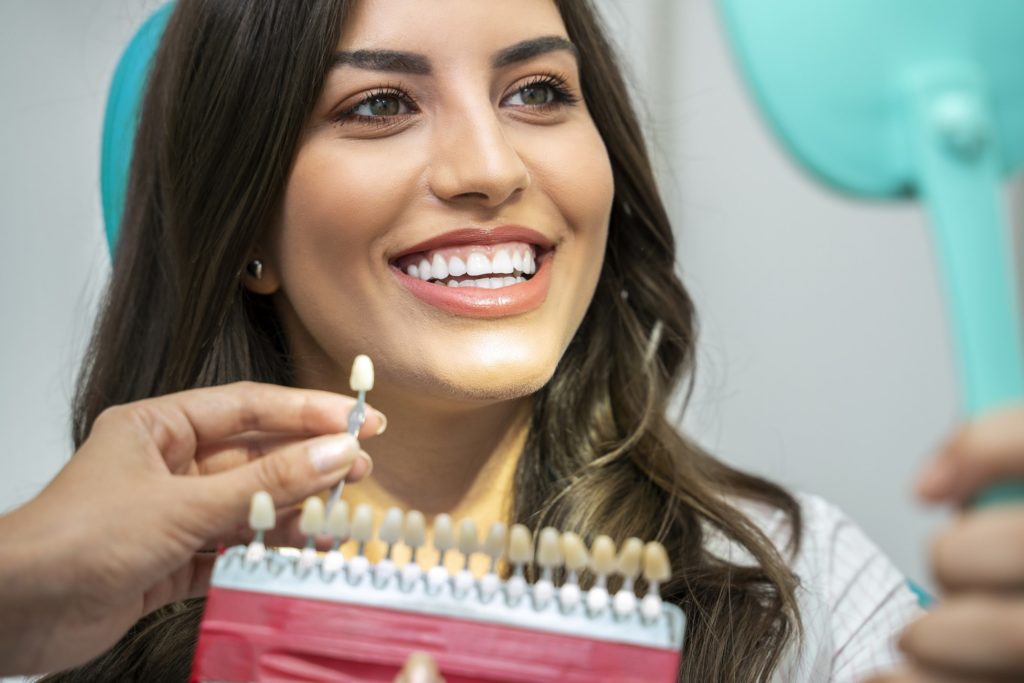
[231, 89]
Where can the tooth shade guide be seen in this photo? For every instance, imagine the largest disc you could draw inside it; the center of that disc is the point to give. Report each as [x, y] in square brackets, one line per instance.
[426, 556]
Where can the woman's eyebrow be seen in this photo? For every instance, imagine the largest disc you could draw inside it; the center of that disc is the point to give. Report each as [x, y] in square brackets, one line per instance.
[383, 60]
[528, 49]
[415, 63]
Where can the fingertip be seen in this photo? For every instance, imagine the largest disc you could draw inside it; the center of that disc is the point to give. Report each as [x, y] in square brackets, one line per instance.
[362, 467]
[936, 481]
[376, 423]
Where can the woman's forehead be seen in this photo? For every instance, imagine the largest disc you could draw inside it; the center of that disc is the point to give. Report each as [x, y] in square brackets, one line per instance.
[441, 29]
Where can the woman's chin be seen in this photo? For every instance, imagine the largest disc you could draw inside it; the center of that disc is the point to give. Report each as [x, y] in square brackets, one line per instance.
[483, 377]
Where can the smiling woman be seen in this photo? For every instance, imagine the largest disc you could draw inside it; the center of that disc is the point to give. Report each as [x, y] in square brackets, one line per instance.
[460, 190]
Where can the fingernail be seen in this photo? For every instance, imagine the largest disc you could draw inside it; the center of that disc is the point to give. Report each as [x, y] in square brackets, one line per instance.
[937, 479]
[361, 467]
[420, 668]
[383, 424]
[333, 452]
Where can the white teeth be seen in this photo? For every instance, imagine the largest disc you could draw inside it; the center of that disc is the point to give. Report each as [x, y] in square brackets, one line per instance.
[361, 378]
[478, 264]
[456, 267]
[439, 268]
[262, 516]
[337, 521]
[312, 520]
[424, 267]
[520, 279]
[508, 281]
[444, 533]
[529, 265]
[362, 524]
[484, 283]
[391, 527]
[453, 283]
[413, 271]
[517, 261]
[502, 262]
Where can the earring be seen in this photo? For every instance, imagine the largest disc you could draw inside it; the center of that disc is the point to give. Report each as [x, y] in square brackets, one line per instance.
[255, 268]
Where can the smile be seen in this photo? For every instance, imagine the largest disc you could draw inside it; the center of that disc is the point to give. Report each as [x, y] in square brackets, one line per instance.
[484, 266]
[479, 273]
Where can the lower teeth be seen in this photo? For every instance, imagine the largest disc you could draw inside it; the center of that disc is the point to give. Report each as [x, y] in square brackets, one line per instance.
[482, 283]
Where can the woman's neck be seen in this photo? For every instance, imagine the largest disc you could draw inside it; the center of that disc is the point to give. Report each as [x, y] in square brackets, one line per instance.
[455, 460]
[459, 462]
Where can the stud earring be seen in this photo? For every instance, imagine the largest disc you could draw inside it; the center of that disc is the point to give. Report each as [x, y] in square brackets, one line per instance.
[255, 268]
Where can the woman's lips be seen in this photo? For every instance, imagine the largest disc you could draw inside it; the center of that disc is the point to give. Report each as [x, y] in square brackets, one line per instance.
[478, 302]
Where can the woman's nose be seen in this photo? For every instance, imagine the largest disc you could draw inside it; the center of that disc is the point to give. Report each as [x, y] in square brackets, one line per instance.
[474, 161]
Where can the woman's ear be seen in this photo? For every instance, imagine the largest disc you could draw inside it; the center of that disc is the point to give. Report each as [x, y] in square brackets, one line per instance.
[260, 277]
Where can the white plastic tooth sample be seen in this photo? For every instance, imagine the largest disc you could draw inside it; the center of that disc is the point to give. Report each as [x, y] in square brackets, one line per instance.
[602, 563]
[414, 535]
[338, 528]
[493, 547]
[311, 523]
[262, 518]
[478, 264]
[520, 552]
[502, 262]
[444, 540]
[517, 261]
[390, 533]
[657, 570]
[576, 560]
[424, 270]
[456, 267]
[412, 270]
[362, 533]
[469, 543]
[361, 378]
[630, 557]
[549, 557]
[439, 267]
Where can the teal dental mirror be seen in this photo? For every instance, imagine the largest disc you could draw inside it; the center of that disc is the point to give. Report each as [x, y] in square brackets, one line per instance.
[911, 98]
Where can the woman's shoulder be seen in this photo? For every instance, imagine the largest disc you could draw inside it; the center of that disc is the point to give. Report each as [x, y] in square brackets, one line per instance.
[854, 601]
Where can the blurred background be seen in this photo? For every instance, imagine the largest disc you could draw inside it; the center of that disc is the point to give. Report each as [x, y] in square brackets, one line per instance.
[824, 359]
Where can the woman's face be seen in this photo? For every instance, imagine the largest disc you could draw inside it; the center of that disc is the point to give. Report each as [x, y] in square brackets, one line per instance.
[448, 206]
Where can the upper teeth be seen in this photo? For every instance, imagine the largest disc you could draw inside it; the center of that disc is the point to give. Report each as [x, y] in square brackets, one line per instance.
[476, 264]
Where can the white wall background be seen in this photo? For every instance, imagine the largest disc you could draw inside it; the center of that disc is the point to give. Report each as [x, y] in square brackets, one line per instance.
[824, 360]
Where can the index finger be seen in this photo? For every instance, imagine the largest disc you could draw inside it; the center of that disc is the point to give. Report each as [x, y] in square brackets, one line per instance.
[219, 413]
[986, 450]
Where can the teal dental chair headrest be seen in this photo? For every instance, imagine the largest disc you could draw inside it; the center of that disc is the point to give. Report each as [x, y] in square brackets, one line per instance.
[121, 117]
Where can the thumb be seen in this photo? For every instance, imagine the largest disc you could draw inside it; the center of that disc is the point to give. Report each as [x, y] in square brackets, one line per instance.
[419, 668]
[289, 475]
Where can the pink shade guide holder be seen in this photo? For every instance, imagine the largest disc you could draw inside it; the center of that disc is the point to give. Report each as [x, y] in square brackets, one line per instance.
[275, 621]
[259, 637]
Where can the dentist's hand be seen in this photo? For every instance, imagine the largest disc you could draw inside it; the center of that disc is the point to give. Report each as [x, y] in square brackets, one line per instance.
[115, 534]
[976, 632]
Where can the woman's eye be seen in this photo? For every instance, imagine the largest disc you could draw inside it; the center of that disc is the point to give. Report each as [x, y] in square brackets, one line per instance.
[536, 94]
[533, 95]
[380, 105]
